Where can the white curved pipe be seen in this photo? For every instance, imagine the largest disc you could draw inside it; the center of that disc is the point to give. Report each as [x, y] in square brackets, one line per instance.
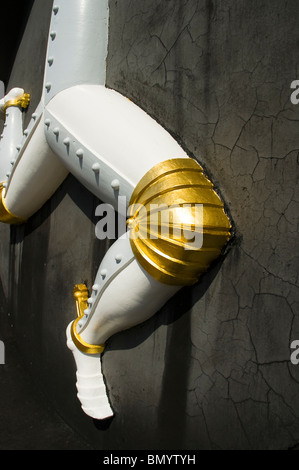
[77, 46]
[124, 295]
[12, 133]
[76, 54]
[108, 143]
[35, 177]
[108, 140]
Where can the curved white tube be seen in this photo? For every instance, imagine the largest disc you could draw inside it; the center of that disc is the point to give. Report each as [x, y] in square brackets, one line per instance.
[124, 295]
[138, 298]
[35, 177]
[108, 143]
[76, 54]
[12, 133]
[77, 46]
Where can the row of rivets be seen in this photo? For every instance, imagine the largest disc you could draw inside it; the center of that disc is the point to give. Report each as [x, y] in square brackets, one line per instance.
[96, 289]
[18, 147]
[96, 167]
[53, 35]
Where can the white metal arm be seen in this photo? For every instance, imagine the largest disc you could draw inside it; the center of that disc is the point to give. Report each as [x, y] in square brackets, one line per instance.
[108, 143]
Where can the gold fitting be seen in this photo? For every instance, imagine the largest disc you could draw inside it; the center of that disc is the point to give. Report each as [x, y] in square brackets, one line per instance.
[164, 216]
[80, 293]
[81, 344]
[81, 297]
[22, 102]
[6, 216]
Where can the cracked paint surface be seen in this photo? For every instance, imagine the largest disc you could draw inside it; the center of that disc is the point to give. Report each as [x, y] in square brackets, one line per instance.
[217, 75]
[212, 369]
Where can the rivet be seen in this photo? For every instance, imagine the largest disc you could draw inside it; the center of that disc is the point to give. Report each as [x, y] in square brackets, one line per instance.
[12, 162]
[50, 60]
[53, 35]
[67, 141]
[56, 131]
[18, 148]
[80, 153]
[48, 86]
[118, 258]
[115, 185]
[104, 273]
[96, 168]
[26, 132]
[87, 312]
[55, 9]
[90, 301]
[8, 174]
[96, 288]
[47, 122]
[34, 116]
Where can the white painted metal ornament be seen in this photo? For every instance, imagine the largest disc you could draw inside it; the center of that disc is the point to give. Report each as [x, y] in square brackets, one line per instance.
[111, 146]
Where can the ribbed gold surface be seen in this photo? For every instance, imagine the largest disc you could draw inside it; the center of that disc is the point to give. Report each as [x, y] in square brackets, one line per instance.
[22, 101]
[5, 215]
[161, 236]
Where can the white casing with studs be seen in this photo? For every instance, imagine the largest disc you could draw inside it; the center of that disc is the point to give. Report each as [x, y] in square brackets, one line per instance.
[77, 45]
[108, 143]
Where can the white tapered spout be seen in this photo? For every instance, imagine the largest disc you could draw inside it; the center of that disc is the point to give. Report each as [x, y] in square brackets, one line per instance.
[92, 392]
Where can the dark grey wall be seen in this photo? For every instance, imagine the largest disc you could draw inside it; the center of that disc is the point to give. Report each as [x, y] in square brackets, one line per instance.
[212, 369]
[15, 15]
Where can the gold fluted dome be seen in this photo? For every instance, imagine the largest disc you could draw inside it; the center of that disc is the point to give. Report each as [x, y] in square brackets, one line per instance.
[177, 221]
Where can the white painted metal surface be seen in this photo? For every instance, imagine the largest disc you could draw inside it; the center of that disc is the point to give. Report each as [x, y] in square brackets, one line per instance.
[77, 46]
[108, 144]
[90, 127]
[12, 133]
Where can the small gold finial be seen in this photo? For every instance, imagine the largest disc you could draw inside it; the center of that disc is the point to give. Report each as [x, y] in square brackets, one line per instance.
[81, 297]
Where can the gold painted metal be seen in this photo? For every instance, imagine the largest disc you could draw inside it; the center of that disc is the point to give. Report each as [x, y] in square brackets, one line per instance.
[22, 102]
[6, 216]
[176, 187]
[81, 298]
